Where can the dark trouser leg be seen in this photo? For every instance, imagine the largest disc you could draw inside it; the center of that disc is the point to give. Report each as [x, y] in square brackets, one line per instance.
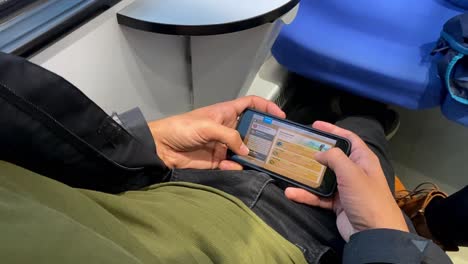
[447, 218]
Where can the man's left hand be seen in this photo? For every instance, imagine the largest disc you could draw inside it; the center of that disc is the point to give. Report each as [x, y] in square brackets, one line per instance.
[200, 139]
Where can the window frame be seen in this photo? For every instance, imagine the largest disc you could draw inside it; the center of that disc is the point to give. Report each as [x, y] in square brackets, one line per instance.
[8, 7]
[31, 29]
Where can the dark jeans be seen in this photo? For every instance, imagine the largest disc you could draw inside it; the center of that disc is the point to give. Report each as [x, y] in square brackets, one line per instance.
[311, 229]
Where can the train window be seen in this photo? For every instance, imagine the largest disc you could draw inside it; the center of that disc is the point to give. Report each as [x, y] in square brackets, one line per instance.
[9, 7]
[29, 25]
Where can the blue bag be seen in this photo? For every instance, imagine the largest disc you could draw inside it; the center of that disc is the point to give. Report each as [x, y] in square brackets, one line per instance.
[453, 67]
[460, 3]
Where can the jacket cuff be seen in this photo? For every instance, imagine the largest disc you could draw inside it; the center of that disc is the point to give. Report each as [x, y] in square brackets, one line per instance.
[135, 123]
[392, 246]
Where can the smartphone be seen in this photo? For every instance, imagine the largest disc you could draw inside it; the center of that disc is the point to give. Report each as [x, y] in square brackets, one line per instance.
[285, 150]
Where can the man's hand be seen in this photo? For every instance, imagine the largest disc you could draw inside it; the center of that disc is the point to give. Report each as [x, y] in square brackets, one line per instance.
[364, 200]
[200, 139]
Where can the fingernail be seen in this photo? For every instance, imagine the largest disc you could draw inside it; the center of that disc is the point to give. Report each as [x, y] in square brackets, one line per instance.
[244, 150]
[289, 192]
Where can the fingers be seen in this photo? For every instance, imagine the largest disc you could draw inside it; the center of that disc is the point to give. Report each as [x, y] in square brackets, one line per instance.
[360, 152]
[259, 104]
[229, 165]
[336, 160]
[343, 167]
[356, 141]
[302, 196]
[212, 131]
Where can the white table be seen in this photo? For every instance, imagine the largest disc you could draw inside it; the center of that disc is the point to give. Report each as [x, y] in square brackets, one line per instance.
[227, 41]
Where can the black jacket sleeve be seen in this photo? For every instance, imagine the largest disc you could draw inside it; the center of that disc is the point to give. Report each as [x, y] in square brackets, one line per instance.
[135, 123]
[49, 126]
[392, 246]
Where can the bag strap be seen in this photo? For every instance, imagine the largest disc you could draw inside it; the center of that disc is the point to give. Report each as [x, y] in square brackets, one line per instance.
[457, 87]
[453, 45]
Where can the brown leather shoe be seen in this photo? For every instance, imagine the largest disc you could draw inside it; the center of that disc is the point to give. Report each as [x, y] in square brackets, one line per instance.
[414, 204]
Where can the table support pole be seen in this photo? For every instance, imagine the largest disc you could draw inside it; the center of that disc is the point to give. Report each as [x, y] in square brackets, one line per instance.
[189, 63]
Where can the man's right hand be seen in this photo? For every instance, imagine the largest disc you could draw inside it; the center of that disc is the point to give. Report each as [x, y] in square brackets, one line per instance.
[364, 200]
[199, 139]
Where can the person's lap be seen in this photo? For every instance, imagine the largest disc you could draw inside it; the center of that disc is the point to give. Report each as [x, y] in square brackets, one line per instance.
[311, 229]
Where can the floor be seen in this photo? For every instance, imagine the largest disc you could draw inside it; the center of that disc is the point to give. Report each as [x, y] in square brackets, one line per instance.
[428, 147]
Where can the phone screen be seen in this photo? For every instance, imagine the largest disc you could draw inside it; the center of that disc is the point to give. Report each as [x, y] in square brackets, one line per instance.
[286, 149]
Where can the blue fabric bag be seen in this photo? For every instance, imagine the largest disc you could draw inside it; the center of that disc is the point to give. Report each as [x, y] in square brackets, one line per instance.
[453, 67]
[460, 3]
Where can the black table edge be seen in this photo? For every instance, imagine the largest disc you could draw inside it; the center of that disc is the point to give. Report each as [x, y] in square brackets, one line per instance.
[205, 30]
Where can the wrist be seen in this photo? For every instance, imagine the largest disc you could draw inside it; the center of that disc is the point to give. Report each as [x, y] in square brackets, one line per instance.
[396, 221]
[396, 227]
[157, 131]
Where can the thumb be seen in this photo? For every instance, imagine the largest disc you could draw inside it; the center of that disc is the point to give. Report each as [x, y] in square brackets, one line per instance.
[212, 131]
[336, 160]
